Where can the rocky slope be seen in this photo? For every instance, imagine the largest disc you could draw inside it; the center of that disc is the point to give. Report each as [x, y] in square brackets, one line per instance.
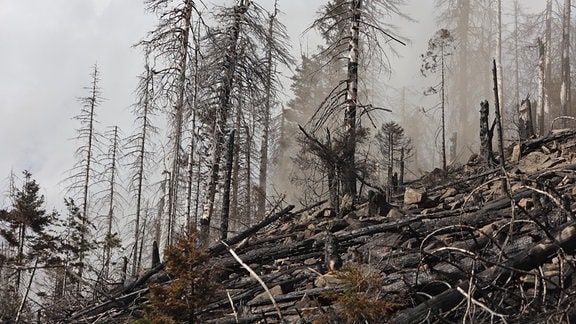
[480, 242]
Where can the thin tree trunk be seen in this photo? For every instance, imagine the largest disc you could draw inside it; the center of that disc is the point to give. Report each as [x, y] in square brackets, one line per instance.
[178, 122]
[463, 75]
[541, 88]
[500, 74]
[565, 88]
[499, 124]
[21, 238]
[227, 183]
[443, 105]
[110, 217]
[485, 133]
[401, 177]
[93, 102]
[248, 206]
[548, 60]
[191, 161]
[390, 164]
[140, 172]
[234, 216]
[23, 302]
[349, 177]
[332, 180]
[263, 183]
[516, 57]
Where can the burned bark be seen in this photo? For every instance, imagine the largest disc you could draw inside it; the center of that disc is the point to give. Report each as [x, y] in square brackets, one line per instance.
[486, 133]
[525, 125]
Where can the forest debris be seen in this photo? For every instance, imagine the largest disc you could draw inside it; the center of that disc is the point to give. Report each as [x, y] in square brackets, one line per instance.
[471, 245]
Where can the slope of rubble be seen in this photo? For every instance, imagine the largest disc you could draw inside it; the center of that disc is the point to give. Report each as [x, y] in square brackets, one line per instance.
[479, 242]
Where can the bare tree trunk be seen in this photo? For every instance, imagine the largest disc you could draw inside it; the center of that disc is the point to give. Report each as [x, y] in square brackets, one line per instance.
[443, 106]
[25, 297]
[499, 125]
[349, 176]
[548, 61]
[248, 208]
[263, 183]
[227, 183]
[220, 124]
[525, 125]
[92, 102]
[178, 121]
[140, 171]
[234, 216]
[401, 177]
[332, 180]
[110, 216]
[541, 89]
[191, 162]
[565, 99]
[485, 133]
[462, 75]
[390, 168]
[500, 74]
[516, 57]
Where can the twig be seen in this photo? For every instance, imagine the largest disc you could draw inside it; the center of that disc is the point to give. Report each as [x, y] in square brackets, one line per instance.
[232, 305]
[478, 303]
[253, 274]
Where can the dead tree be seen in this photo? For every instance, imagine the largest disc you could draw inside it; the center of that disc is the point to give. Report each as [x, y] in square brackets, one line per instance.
[227, 185]
[486, 133]
[525, 125]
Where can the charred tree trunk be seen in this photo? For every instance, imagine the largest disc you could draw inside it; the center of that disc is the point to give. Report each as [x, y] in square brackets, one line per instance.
[498, 116]
[499, 124]
[263, 183]
[401, 177]
[525, 125]
[485, 133]
[220, 124]
[227, 184]
[349, 176]
[332, 180]
[443, 103]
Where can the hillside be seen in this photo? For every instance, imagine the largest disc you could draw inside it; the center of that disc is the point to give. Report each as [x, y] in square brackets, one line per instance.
[452, 246]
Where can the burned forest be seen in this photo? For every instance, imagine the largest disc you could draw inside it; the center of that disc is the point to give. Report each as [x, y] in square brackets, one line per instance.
[246, 161]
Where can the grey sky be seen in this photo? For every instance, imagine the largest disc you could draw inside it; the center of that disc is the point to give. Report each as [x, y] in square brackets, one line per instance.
[49, 47]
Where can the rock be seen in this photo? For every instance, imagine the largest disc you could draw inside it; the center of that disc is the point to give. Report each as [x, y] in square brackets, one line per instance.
[310, 261]
[275, 291]
[394, 213]
[515, 153]
[448, 193]
[526, 203]
[533, 162]
[414, 196]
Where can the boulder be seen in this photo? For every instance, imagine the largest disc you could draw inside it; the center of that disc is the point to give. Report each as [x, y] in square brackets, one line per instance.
[414, 196]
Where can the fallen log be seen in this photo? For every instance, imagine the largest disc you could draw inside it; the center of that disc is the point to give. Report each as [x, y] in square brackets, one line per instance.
[221, 247]
[526, 260]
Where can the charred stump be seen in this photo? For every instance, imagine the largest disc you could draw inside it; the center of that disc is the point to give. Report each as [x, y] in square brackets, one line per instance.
[525, 124]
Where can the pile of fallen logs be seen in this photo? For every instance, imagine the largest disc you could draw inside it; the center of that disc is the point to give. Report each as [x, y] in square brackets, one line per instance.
[476, 243]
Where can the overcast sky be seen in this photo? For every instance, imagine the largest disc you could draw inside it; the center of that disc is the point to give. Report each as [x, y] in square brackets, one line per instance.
[48, 48]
